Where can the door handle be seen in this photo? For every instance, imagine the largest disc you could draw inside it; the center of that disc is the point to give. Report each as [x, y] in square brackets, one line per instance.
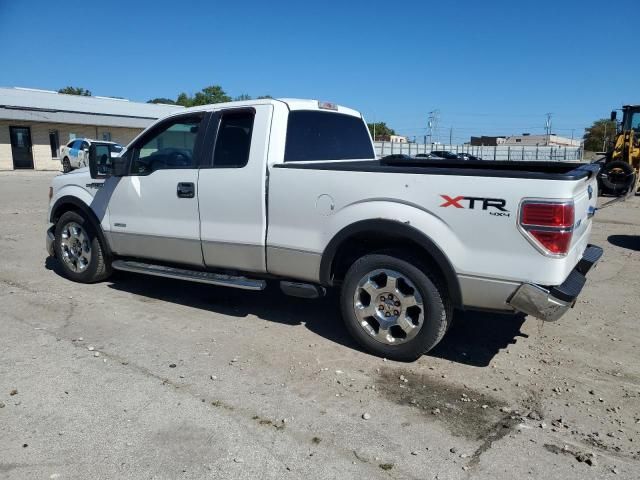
[186, 190]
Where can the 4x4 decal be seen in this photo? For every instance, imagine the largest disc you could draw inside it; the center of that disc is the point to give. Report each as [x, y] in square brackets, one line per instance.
[475, 203]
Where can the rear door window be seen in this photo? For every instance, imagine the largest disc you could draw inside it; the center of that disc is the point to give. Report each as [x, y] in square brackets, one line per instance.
[316, 136]
[234, 140]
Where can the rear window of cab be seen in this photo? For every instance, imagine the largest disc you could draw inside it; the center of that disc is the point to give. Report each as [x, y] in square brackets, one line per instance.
[316, 136]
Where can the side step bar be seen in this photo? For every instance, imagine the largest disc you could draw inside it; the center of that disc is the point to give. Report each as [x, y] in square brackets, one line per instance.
[190, 275]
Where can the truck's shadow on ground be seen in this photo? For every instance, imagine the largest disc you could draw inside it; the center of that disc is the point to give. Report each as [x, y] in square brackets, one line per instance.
[474, 338]
[630, 242]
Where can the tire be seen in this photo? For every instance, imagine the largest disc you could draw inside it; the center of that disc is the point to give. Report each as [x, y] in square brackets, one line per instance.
[616, 177]
[375, 313]
[79, 249]
[66, 165]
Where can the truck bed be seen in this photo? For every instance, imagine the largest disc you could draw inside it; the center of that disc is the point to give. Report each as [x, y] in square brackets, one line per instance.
[482, 168]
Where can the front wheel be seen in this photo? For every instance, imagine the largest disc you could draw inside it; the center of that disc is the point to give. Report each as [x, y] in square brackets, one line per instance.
[616, 177]
[79, 249]
[394, 307]
[66, 165]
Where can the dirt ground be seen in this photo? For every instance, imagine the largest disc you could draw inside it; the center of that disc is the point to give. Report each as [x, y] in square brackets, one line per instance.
[141, 377]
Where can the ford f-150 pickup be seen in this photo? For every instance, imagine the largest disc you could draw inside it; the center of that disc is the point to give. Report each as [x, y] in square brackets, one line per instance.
[290, 191]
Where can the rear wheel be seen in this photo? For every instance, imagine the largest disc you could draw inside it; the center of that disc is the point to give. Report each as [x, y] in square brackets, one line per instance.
[394, 307]
[80, 250]
[66, 165]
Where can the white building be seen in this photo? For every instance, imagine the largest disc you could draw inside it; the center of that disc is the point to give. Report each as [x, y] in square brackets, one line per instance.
[398, 139]
[34, 123]
[540, 140]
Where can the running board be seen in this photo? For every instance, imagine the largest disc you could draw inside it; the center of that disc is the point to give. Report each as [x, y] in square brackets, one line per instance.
[190, 275]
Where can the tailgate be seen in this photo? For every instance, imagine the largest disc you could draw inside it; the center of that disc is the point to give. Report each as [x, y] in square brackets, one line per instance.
[585, 197]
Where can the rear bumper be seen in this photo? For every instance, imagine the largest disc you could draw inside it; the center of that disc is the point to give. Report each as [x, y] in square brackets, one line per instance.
[50, 239]
[550, 303]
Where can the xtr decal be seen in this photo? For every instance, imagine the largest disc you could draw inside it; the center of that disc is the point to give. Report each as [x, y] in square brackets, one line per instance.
[477, 203]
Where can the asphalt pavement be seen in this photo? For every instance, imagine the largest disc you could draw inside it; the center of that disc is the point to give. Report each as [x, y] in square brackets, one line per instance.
[141, 377]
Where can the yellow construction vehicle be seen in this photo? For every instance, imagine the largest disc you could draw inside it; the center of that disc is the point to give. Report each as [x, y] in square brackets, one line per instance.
[619, 172]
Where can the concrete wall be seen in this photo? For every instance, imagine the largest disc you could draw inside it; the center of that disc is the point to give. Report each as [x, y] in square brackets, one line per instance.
[42, 159]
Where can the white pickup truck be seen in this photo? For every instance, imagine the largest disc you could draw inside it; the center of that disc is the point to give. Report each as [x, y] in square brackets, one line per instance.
[290, 191]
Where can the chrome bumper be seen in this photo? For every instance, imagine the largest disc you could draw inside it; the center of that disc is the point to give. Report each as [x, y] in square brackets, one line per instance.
[50, 240]
[550, 303]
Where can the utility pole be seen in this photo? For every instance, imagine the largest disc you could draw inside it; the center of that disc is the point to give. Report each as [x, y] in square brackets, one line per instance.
[432, 123]
[604, 138]
[547, 126]
[450, 136]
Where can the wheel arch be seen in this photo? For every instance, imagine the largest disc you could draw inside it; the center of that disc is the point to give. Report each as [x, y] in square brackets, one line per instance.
[368, 236]
[70, 203]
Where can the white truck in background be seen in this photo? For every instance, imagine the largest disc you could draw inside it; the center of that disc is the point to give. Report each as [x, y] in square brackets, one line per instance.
[289, 191]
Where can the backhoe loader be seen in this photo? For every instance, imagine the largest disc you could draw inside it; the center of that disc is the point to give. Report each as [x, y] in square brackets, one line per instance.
[619, 173]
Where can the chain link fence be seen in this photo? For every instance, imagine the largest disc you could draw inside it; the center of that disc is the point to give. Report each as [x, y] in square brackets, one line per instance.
[500, 152]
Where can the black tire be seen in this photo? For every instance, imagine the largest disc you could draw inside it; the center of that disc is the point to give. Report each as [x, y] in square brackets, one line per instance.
[66, 165]
[437, 310]
[98, 267]
[616, 177]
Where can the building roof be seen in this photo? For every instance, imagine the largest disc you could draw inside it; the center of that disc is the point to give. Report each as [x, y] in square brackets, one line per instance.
[47, 106]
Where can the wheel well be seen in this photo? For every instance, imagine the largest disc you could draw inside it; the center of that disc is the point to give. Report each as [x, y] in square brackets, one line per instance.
[343, 252]
[72, 204]
[64, 208]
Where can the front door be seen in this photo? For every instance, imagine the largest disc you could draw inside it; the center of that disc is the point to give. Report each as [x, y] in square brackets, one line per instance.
[21, 147]
[153, 211]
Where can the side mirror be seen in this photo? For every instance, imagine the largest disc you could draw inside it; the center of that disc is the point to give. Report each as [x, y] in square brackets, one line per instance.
[614, 116]
[102, 164]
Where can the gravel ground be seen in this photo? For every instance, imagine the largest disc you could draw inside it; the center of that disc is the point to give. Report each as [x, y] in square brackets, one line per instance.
[142, 377]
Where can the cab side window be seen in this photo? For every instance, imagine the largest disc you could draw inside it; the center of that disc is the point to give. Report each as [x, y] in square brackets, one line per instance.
[169, 146]
[234, 140]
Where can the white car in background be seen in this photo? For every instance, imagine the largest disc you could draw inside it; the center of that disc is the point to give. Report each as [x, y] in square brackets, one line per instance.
[75, 154]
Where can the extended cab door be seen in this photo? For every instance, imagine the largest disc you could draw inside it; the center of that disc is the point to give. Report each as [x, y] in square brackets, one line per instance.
[232, 189]
[154, 210]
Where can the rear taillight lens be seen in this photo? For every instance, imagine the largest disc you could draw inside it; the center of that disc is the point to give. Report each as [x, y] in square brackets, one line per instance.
[548, 225]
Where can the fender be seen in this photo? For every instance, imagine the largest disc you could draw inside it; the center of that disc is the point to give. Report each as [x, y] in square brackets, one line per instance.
[69, 200]
[396, 229]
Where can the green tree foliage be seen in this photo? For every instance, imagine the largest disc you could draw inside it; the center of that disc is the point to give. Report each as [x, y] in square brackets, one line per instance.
[210, 94]
[381, 130]
[264, 96]
[184, 100]
[75, 91]
[600, 135]
[162, 100]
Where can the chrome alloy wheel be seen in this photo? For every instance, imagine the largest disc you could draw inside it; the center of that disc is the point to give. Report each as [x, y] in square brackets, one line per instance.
[75, 247]
[388, 306]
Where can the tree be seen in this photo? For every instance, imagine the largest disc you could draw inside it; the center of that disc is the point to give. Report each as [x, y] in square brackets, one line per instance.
[600, 135]
[184, 100]
[264, 96]
[162, 100]
[380, 130]
[244, 96]
[75, 91]
[211, 94]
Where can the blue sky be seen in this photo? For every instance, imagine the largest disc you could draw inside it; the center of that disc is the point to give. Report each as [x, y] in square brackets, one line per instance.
[492, 67]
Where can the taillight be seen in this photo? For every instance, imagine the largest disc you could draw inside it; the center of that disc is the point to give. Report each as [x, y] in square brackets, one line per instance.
[549, 225]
